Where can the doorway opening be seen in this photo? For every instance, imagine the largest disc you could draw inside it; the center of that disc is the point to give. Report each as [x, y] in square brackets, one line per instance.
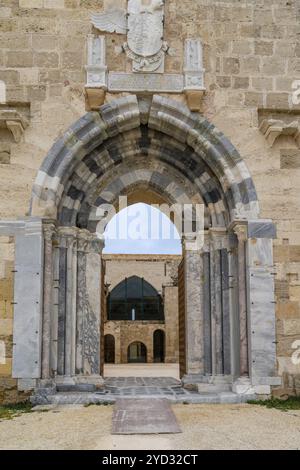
[141, 285]
[137, 353]
[159, 346]
[109, 349]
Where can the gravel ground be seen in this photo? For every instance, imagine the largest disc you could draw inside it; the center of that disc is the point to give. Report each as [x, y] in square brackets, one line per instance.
[203, 426]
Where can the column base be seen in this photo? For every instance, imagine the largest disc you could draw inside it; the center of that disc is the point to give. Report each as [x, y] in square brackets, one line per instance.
[79, 383]
[207, 383]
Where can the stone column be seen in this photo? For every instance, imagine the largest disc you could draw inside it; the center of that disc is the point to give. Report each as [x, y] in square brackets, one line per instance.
[92, 314]
[171, 320]
[48, 231]
[67, 301]
[194, 323]
[61, 320]
[71, 294]
[82, 250]
[240, 229]
[261, 301]
[55, 306]
[207, 336]
[216, 301]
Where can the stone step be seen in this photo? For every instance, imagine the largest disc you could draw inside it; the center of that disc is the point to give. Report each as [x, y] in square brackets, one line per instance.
[214, 388]
[84, 398]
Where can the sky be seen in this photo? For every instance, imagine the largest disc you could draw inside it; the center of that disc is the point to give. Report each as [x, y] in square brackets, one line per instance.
[141, 229]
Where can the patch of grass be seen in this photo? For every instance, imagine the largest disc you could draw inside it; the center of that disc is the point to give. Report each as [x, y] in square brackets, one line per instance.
[292, 403]
[12, 411]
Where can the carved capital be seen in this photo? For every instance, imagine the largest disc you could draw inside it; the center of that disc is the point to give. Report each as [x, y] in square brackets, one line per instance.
[84, 237]
[218, 238]
[68, 237]
[49, 230]
[96, 245]
[241, 231]
[193, 241]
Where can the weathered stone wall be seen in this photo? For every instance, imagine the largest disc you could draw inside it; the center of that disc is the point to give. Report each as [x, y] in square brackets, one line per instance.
[251, 56]
[126, 333]
[161, 271]
[8, 386]
[158, 270]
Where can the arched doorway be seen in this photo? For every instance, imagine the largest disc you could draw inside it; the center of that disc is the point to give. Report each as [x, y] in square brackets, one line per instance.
[137, 353]
[228, 295]
[158, 346]
[109, 349]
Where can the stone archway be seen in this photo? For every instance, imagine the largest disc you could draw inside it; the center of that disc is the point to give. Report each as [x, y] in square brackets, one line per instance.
[229, 292]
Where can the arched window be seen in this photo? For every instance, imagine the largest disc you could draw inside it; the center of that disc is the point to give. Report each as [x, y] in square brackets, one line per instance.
[134, 299]
[137, 353]
[159, 346]
[109, 349]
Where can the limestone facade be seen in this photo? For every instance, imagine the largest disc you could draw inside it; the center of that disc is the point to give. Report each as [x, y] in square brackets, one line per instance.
[251, 56]
[161, 271]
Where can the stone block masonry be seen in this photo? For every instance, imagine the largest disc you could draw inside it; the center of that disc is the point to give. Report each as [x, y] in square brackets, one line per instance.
[251, 57]
[8, 385]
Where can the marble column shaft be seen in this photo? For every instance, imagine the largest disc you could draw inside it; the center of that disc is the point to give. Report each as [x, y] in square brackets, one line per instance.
[71, 290]
[241, 233]
[194, 312]
[262, 319]
[207, 314]
[48, 231]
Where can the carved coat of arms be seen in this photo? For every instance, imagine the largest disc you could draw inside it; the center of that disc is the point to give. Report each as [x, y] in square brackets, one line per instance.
[144, 24]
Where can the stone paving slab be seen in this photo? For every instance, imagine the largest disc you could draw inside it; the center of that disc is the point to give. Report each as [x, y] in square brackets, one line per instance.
[122, 382]
[144, 416]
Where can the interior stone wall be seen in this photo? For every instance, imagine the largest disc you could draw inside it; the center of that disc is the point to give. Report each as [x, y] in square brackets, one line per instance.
[251, 57]
[126, 333]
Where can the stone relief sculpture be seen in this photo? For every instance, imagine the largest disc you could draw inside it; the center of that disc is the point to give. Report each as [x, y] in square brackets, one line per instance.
[112, 21]
[144, 23]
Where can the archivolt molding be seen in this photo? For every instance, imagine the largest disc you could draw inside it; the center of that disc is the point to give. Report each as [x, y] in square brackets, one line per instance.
[185, 141]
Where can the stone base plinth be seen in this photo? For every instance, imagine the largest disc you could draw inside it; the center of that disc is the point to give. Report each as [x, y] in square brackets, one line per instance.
[88, 383]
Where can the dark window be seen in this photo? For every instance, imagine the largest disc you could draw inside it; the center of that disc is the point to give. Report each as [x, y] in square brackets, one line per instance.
[137, 353]
[134, 299]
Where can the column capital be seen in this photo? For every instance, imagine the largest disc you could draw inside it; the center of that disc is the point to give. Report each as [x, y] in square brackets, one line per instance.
[240, 228]
[83, 238]
[218, 237]
[193, 241]
[96, 244]
[68, 231]
[49, 229]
